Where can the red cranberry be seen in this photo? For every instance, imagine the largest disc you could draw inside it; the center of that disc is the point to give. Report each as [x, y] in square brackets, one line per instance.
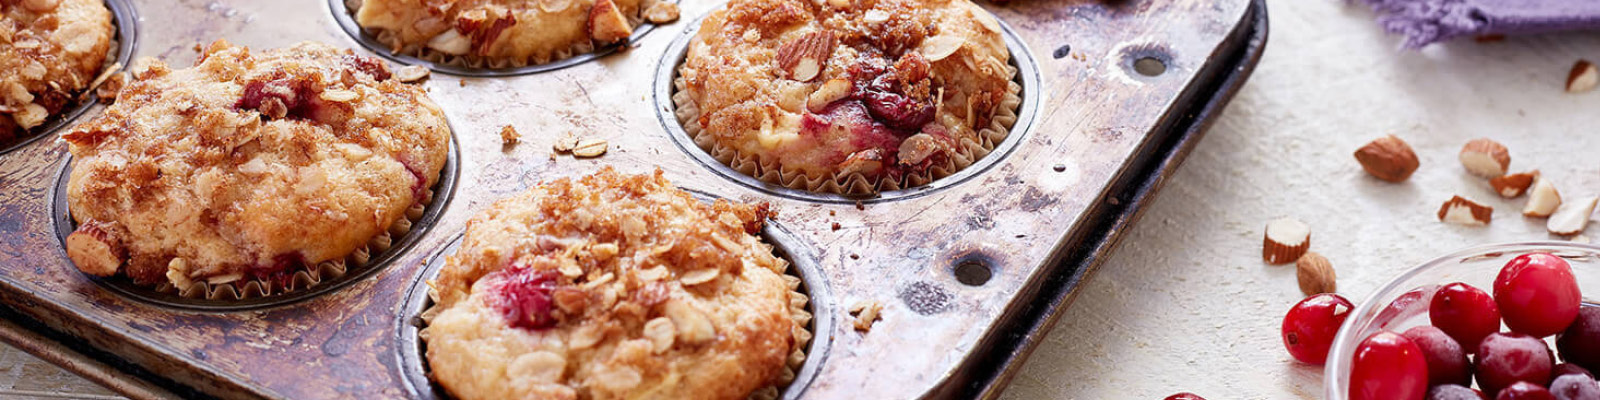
[898, 111]
[522, 296]
[1580, 343]
[1525, 391]
[1185, 396]
[1466, 313]
[1537, 294]
[368, 65]
[1454, 392]
[1388, 366]
[1447, 363]
[1310, 326]
[1575, 387]
[1507, 358]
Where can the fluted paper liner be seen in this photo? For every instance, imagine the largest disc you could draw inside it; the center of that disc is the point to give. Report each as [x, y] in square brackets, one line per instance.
[968, 151]
[797, 311]
[421, 51]
[308, 276]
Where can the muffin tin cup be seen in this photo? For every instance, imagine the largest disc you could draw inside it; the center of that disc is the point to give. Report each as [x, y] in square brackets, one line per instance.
[378, 260]
[125, 37]
[412, 349]
[442, 63]
[665, 89]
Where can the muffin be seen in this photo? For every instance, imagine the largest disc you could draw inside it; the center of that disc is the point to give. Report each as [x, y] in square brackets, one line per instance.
[250, 167]
[49, 51]
[498, 33]
[614, 286]
[844, 96]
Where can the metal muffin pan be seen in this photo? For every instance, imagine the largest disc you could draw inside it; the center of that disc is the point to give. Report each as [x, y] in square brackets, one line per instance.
[346, 19]
[971, 273]
[412, 350]
[667, 73]
[125, 36]
[443, 190]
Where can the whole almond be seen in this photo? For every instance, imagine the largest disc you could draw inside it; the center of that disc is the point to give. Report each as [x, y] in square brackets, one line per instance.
[1316, 274]
[1388, 158]
[805, 57]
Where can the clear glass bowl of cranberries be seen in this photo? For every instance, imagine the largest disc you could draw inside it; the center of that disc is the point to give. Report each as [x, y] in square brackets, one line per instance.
[1504, 321]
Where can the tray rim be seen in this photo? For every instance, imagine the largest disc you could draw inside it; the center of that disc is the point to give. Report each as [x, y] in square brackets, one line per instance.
[1126, 194]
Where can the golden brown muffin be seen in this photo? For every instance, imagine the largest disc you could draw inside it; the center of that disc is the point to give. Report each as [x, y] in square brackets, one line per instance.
[614, 286]
[846, 96]
[249, 165]
[49, 50]
[499, 33]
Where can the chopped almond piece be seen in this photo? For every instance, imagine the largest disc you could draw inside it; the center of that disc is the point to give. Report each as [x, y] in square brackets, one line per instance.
[1459, 210]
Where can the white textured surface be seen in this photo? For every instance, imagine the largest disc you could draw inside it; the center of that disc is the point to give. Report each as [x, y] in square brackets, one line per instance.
[1185, 304]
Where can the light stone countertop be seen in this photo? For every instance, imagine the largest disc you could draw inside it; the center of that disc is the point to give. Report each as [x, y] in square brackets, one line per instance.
[1185, 303]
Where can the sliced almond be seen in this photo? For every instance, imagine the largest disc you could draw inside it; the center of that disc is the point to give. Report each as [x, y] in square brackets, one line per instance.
[1513, 185]
[607, 24]
[699, 276]
[588, 148]
[939, 47]
[661, 333]
[451, 42]
[831, 91]
[805, 57]
[1542, 199]
[1459, 210]
[693, 326]
[94, 250]
[1388, 158]
[32, 115]
[411, 73]
[874, 16]
[1286, 240]
[652, 274]
[1315, 274]
[1486, 158]
[1572, 217]
[661, 12]
[1583, 77]
[339, 95]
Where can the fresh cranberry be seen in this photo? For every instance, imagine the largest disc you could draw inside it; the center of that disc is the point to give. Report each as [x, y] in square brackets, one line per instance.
[1564, 369]
[1580, 343]
[1537, 294]
[1185, 396]
[1447, 363]
[1466, 313]
[1525, 391]
[1575, 387]
[1388, 366]
[1507, 358]
[1310, 326]
[522, 296]
[1454, 392]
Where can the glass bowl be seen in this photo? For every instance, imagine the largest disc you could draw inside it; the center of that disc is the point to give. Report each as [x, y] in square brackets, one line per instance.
[1403, 302]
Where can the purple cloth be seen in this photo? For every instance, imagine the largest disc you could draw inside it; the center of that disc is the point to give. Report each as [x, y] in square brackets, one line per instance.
[1424, 22]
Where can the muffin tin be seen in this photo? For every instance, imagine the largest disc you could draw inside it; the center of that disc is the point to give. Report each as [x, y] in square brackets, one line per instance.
[971, 271]
[124, 38]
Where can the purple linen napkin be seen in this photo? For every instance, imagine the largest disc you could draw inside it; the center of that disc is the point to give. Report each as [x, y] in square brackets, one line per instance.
[1424, 22]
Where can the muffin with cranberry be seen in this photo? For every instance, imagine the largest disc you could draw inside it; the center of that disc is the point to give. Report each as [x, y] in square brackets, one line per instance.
[845, 96]
[499, 33]
[49, 51]
[250, 166]
[614, 286]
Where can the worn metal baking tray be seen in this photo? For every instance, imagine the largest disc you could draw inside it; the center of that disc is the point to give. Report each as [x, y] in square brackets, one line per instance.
[971, 272]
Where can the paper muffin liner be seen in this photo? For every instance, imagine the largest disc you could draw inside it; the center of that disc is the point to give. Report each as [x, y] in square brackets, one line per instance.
[307, 276]
[418, 50]
[968, 151]
[797, 311]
